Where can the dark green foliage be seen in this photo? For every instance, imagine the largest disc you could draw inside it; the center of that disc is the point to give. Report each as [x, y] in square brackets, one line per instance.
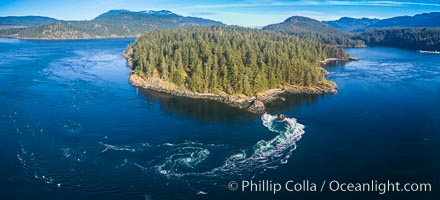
[352, 24]
[420, 20]
[230, 59]
[9, 31]
[409, 38]
[311, 29]
[358, 25]
[115, 23]
[25, 21]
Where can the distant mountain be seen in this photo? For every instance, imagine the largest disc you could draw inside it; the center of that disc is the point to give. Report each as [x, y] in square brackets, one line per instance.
[311, 29]
[25, 21]
[358, 25]
[421, 20]
[127, 12]
[352, 24]
[112, 24]
[160, 12]
[297, 23]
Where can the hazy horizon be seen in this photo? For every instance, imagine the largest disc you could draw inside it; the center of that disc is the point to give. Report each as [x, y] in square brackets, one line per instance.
[249, 13]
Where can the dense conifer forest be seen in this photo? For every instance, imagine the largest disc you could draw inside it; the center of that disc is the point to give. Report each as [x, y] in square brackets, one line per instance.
[427, 39]
[417, 32]
[234, 60]
[112, 24]
[310, 29]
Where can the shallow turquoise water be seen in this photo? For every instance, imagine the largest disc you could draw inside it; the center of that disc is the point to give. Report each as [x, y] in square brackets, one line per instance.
[71, 126]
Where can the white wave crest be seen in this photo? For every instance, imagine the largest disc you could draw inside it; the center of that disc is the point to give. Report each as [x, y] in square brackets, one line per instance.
[263, 155]
[431, 52]
[186, 157]
[270, 153]
[116, 148]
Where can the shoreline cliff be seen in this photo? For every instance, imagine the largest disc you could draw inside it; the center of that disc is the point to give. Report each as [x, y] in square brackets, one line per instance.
[254, 104]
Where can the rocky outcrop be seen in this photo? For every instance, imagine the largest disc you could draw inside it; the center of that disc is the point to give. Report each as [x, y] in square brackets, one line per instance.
[256, 106]
[248, 103]
[253, 104]
[337, 61]
[128, 55]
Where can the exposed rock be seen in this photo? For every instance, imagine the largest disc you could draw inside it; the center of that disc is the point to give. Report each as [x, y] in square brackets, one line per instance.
[252, 104]
[128, 56]
[281, 117]
[256, 106]
[337, 61]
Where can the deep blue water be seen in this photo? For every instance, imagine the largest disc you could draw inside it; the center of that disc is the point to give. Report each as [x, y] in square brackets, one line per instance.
[72, 127]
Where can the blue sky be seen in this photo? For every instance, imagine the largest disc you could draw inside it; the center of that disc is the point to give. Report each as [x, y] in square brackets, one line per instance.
[238, 12]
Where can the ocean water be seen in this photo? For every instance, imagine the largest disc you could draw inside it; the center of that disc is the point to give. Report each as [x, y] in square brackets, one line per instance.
[72, 127]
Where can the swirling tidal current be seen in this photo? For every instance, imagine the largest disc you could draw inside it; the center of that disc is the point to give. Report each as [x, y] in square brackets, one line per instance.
[79, 127]
[265, 154]
[72, 167]
[72, 127]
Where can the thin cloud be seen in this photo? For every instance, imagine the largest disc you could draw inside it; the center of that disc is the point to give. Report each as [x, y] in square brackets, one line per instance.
[312, 3]
[377, 3]
[203, 13]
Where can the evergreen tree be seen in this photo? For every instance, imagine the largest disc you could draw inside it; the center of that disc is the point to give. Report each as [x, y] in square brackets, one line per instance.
[230, 59]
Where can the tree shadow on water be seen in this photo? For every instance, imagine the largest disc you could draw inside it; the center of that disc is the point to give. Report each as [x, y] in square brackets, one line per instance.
[292, 102]
[204, 110]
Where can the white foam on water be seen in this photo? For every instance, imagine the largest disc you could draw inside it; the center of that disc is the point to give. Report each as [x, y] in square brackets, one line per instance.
[20, 159]
[265, 154]
[46, 179]
[201, 193]
[190, 143]
[183, 157]
[147, 197]
[116, 148]
[67, 152]
[129, 148]
[140, 167]
[270, 153]
[72, 127]
[431, 52]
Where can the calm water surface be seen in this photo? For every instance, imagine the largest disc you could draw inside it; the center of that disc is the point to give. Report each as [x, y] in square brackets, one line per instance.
[71, 126]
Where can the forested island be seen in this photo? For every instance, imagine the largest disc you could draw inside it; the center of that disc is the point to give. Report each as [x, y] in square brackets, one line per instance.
[244, 67]
[239, 66]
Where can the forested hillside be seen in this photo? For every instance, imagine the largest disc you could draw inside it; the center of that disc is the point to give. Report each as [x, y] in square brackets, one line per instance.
[424, 20]
[234, 60]
[420, 20]
[14, 21]
[427, 39]
[352, 24]
[113, 24]
[311, 29]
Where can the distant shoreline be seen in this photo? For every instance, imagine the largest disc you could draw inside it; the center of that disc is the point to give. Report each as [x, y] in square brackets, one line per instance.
[66, 39]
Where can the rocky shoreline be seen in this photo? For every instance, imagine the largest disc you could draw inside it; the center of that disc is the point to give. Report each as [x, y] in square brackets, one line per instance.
[337, 61]
[253, 104]
[68, 38]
